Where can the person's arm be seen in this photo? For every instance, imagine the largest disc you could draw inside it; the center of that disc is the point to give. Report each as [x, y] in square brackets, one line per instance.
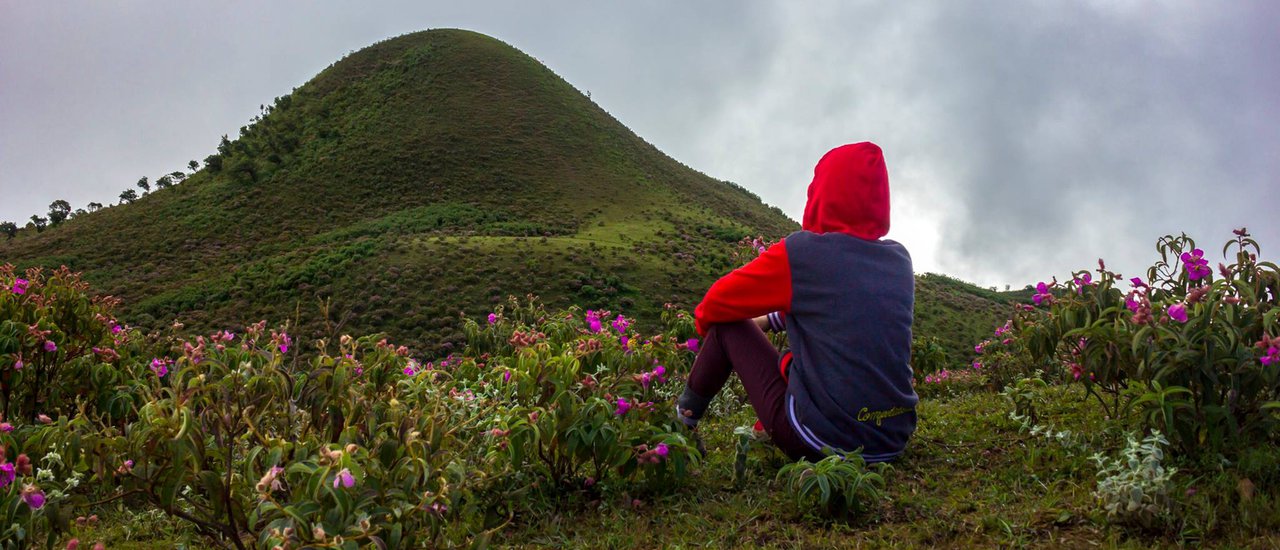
[762, 286]
[773, 322]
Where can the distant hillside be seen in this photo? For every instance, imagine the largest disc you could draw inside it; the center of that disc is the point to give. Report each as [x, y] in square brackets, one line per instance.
[426, 175]
[961, 314]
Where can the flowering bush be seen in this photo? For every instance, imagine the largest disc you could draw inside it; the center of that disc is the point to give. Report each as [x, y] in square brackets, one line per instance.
[927, 357]
[249, 438]
[61, 349]
[1195, 352]
[586, 397]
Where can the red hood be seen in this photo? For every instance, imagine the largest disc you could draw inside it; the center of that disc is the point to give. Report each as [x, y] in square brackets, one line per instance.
[849, 193]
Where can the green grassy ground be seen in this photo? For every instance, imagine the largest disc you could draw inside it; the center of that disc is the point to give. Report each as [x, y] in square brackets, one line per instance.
[971, 478]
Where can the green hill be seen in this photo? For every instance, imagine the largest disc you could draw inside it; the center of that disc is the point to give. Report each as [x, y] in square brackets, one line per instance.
[426, 175]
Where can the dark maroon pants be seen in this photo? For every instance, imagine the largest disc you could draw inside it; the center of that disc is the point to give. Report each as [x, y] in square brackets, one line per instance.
[742, 347]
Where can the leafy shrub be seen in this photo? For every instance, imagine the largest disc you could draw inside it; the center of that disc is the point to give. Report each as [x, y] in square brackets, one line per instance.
[1134, 488]
[951, 383]
[252, 440]
[838, 486]
[1024, 395]
[1195, 351]
[927, 356]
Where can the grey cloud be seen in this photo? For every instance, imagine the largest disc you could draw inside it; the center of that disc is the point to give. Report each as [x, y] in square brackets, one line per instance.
[1023, 139]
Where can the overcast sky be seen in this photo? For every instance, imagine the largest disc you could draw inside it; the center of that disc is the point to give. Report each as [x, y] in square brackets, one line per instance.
[1022, 141]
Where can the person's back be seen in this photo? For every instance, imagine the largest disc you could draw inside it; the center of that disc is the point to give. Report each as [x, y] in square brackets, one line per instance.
[845, 298]
[849, 382]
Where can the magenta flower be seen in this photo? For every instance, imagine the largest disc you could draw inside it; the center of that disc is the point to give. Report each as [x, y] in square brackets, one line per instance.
[1132, 303]
[620, 324]
[1272, 356]
[1082, 281]
[284, 342]
[506, 376]
[1195, 264]
[493, 318]
[977, 365]
[116, 329]
[49, 346]
[345, 479]
[662, 450]
[1042, 294]
[692, 344]
[33, 496]
[593, 321]
[1178, 312]
[17, 365]
[160, 367]
[1137, 282]
[19, 286]
[623, 406]
[978, 348]
[7, 474]
[6, 427]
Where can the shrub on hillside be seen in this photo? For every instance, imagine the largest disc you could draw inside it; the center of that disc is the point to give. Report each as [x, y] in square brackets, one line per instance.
[247, 436]
[1194, 349]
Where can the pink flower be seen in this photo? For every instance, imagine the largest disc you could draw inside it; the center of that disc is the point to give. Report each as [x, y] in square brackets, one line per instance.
[6, 427]
[1137, 282]
[73, 544]
[1195, 264]
[506, 376]
[345, 479]
[160, 367]
[493, 318]
[1132, 303]
[19, 286]
[593, 321]
[33, 496]
[1178, 312]
[271, 480]
[692, 344]
[17, 365]
[7, 474]
[116, 329]
[49, 346]
[284, 342]
[620, 324]
[1042, 294]
[44, 419]
[662, 450]
[1082, 281]
[978, 348]
[623, 406]
[977, 365]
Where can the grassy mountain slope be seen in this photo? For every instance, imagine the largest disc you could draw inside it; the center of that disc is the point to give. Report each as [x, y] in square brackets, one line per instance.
[426, 175]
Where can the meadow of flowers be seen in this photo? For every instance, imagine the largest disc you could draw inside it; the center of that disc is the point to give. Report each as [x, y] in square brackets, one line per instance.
[252, 437]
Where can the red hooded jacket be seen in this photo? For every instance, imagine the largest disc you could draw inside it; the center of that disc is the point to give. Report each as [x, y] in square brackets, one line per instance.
[849, 194]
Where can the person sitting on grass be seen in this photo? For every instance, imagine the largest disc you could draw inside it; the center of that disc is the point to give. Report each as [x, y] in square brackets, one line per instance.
[845, 297]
